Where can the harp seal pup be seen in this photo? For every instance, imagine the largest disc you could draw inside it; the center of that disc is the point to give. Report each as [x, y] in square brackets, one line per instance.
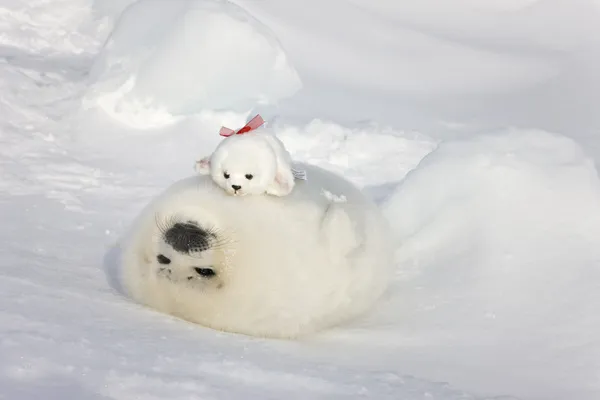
[277, 267]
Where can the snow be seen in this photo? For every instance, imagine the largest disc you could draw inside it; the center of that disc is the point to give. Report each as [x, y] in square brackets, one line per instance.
[183, 56]
[488, 228]
[474, 124]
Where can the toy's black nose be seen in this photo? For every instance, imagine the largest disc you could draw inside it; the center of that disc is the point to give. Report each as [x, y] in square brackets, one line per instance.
[236, 187]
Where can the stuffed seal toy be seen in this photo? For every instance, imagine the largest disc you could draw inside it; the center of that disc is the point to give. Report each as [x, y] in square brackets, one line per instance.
[248, 162]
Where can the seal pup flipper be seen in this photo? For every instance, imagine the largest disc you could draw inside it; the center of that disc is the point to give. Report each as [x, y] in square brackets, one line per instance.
[338, 230]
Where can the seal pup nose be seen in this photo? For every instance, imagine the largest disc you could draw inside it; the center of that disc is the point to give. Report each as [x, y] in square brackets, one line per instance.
[236, 187]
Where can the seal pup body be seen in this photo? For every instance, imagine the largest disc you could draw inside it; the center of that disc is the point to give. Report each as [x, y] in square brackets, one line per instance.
[281, 266]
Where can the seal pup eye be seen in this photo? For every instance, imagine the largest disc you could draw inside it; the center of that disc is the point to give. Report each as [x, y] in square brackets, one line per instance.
[163, 260]
[205, 272]
[249, 176]
[226, 175]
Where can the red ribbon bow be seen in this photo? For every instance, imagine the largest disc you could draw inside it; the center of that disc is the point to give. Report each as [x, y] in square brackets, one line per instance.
[251, 125]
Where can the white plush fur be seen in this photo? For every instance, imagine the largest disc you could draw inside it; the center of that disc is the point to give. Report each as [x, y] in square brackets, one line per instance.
[256, 163]
[286, 266]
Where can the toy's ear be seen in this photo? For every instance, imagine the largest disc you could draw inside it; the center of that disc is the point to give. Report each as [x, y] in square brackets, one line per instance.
[283, 183]
[284, 178]
[203, 166]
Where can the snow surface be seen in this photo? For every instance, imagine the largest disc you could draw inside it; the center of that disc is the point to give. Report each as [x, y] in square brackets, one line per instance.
[183, 56]
[474, 124]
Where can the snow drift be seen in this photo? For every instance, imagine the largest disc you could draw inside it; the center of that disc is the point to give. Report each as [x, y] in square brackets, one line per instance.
[422, 64]
[183, 56]
[487, 229]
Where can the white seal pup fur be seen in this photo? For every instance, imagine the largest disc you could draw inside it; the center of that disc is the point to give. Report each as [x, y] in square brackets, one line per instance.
[251, 163]
[278, 267]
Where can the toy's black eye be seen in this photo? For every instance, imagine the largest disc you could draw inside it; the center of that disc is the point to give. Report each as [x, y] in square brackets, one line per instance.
[226, 175]
[249, 176]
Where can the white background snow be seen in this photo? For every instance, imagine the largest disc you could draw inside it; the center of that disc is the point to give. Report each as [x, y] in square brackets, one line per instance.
[474, 124]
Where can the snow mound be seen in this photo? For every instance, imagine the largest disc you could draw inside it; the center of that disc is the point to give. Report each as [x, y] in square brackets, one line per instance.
[367, 154]
[175, 58]
[493, 234]
[531, 177]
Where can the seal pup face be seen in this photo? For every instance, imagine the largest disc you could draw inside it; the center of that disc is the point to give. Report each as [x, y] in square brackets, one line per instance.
[250, 164]
[189, 254]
